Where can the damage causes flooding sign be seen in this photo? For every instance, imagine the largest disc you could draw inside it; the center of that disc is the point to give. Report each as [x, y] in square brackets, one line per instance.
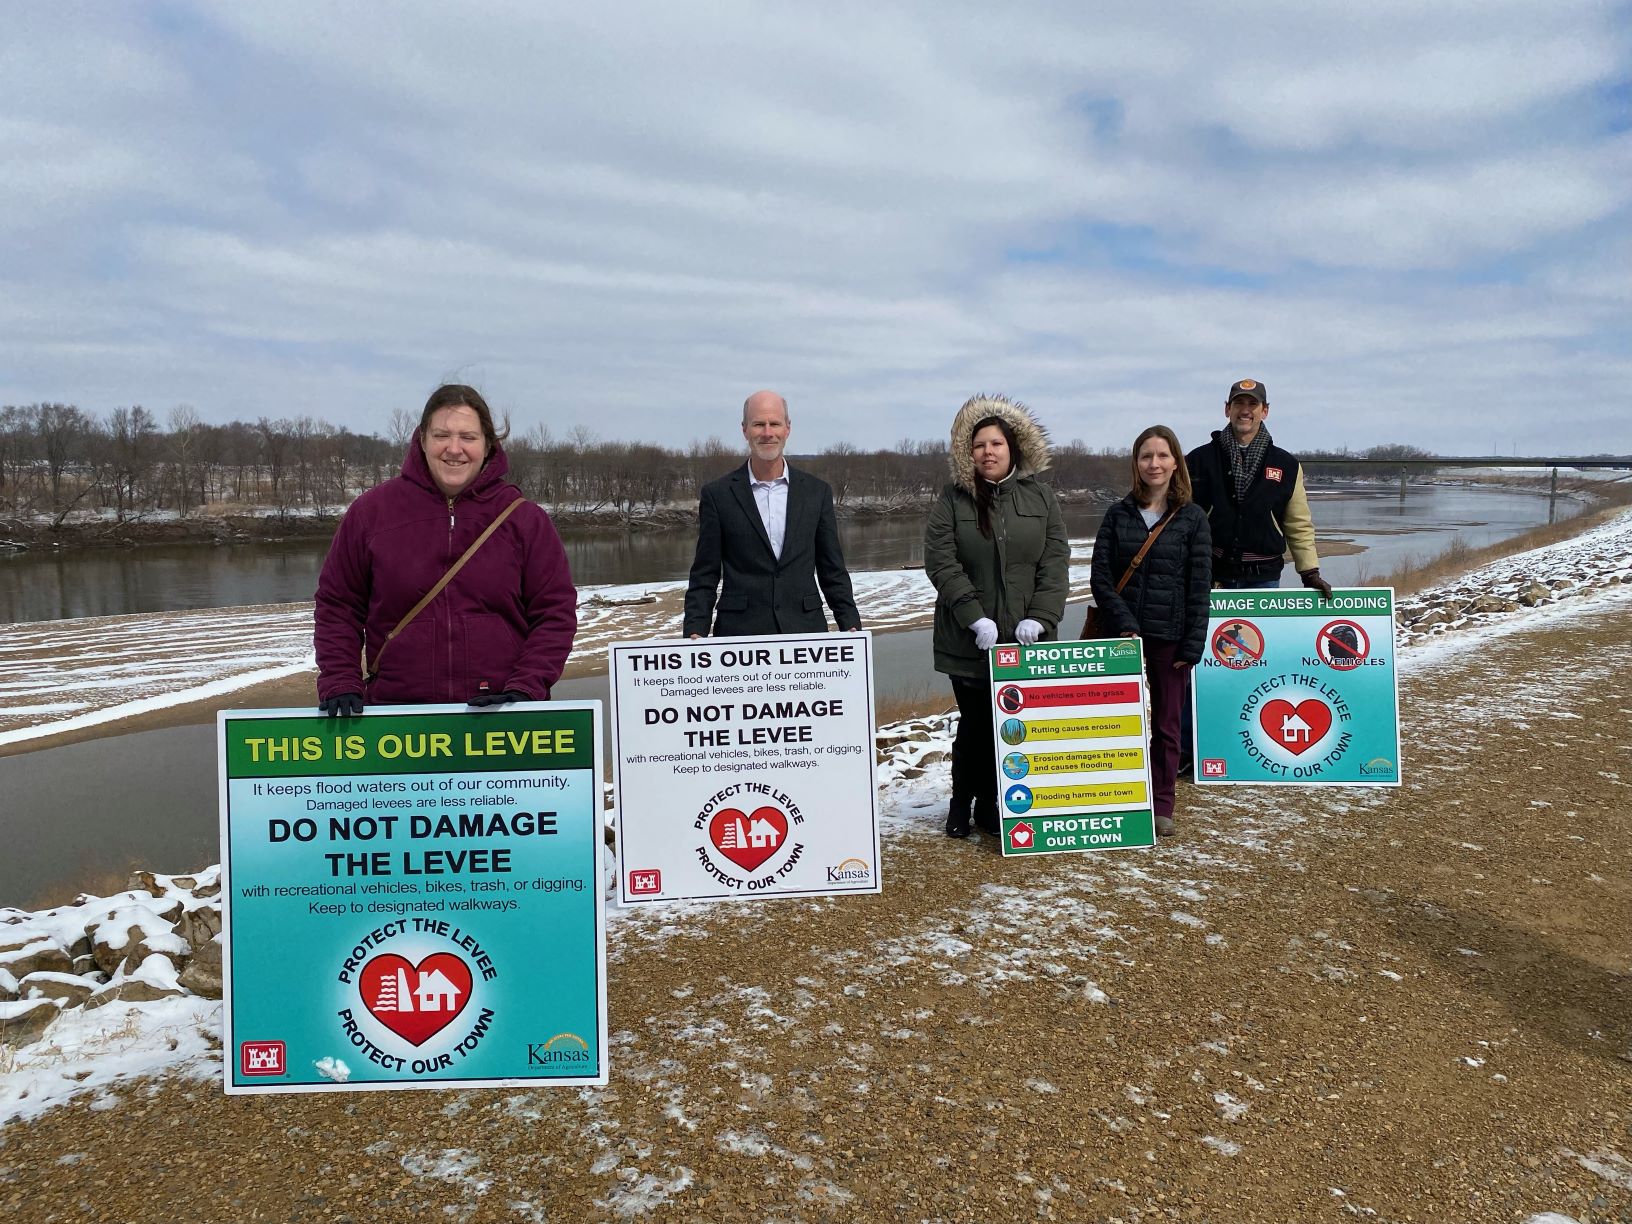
[743, 767]
[1072, 746]
[412, 899]
[1295, 690]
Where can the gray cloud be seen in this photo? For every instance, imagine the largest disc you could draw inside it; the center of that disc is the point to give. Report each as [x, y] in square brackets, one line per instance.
[1406, 220]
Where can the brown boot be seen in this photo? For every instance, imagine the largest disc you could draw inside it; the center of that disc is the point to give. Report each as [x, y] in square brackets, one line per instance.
[1165, 826]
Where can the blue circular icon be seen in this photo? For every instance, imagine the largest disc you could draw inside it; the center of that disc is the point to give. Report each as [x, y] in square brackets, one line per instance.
[1017, 799]
[1017, 765]
[1013, 731]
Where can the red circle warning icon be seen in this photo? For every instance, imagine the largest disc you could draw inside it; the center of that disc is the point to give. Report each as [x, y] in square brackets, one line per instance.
[1010, 699]
[1343, 644]
[1238, 644]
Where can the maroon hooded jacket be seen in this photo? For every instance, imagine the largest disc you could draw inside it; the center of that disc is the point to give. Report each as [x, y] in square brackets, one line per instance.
[505, 622]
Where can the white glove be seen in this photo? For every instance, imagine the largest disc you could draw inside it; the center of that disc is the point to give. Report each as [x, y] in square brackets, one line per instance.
[985, 631]
[1028, 631]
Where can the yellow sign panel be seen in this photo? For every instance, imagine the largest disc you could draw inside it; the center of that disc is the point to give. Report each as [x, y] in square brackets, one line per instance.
[1122, 794]
[1082, 728]
[1086, 762]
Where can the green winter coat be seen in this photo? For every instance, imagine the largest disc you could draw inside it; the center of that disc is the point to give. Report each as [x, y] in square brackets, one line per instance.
[1020, 572]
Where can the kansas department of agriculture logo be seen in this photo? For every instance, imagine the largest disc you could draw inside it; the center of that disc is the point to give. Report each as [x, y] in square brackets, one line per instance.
[563, 1048]
[1377, 767]
[1122, 649]
[851, 871]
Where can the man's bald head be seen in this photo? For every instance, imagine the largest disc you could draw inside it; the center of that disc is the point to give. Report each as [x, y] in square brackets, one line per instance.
[761, 403]
[765, 426]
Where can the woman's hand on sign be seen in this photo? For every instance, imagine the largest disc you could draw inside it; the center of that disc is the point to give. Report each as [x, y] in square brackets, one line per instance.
[341, 705]
[985, 631]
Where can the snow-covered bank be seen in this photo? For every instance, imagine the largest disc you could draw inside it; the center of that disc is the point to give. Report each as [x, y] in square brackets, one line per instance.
[60, 676]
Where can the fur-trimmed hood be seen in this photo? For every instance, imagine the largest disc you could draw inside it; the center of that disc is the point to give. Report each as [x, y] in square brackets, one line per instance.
[1030, 438]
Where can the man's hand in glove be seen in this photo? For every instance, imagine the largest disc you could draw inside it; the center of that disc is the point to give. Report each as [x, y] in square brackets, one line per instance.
[1313, 580]
[341, 705]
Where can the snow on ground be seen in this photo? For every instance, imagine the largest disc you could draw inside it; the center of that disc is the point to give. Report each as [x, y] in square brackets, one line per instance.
[1096, 907]
[58, 676]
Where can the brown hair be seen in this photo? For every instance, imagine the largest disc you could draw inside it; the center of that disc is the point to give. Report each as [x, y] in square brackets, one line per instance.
[1178, 492]
[458, 395]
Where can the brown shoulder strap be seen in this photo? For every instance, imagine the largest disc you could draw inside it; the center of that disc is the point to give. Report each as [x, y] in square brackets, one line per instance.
[1139, 557]
[370, 672]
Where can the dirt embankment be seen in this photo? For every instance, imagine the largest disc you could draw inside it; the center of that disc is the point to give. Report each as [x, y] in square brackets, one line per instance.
[1388, 1005]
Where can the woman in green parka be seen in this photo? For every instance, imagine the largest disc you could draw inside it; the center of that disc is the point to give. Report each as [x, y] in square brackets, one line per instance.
[996, 551]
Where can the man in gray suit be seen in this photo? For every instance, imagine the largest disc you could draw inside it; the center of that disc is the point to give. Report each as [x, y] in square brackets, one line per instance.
[771, 531]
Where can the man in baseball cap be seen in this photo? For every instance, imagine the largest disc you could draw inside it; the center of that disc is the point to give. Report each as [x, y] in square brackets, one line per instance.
[1253, 494]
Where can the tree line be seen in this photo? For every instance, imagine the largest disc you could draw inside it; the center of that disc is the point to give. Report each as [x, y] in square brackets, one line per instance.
[57, 460]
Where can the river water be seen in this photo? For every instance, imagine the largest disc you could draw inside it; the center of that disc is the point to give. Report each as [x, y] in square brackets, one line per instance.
[85, 813]
[37, 586]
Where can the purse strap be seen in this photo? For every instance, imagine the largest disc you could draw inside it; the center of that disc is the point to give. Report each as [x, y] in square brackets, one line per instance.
[1139, 557]
[370, 672]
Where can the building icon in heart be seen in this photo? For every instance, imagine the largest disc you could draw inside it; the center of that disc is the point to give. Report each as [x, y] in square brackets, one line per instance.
[416, 1002]
[748, 839]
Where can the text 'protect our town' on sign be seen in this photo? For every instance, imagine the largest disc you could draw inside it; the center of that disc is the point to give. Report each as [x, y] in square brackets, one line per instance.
[744, 767]
[1296, 690]
[412, 898]
[1073, 768]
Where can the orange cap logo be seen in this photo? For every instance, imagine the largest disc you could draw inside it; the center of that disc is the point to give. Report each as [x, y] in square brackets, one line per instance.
[1246, 384]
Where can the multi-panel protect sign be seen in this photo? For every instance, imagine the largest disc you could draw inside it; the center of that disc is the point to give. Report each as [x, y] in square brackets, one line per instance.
[1072, 746]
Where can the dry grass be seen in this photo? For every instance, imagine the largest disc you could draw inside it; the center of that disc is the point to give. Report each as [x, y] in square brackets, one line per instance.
[1459, 557]
[915, 703]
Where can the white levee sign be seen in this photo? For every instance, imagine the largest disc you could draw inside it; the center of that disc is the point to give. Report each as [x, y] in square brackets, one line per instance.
[743, 767]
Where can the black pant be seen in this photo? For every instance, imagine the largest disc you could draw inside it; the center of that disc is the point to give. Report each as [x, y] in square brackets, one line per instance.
[974, 758]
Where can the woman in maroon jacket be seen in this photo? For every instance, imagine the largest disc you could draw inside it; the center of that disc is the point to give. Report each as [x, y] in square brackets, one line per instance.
[500, 631]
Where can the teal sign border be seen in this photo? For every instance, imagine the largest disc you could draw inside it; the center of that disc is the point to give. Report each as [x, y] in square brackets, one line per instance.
[482, 856]
[1257, 683]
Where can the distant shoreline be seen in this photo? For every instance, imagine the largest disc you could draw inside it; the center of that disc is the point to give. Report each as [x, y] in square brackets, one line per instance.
[20, 537]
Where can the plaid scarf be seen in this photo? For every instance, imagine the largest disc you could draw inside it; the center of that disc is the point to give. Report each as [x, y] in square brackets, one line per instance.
[1246, 460]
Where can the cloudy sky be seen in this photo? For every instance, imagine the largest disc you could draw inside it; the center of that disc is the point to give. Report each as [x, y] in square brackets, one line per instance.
[1409, 220]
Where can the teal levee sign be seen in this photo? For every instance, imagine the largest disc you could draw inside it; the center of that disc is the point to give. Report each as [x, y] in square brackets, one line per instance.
[412, 898]
[1292, 689]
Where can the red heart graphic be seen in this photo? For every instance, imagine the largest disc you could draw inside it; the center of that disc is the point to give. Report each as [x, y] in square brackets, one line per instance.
[416, 1002]
[1297, 728]
[748, 840]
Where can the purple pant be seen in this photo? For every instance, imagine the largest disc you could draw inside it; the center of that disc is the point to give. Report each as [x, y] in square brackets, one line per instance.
[1169, 698]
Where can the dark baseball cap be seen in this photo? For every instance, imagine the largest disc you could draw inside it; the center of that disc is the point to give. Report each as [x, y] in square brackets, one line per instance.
[1248, 387]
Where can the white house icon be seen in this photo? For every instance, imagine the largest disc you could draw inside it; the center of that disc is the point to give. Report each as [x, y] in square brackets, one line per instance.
[1294, 729]
[762, 833]
[436, 993]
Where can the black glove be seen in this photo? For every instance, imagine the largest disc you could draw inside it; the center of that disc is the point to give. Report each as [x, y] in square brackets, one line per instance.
[342, 704]
[1313, 580]
[493, 699]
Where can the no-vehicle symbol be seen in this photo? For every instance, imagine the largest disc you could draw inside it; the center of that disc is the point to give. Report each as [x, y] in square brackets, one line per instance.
[1343, 644]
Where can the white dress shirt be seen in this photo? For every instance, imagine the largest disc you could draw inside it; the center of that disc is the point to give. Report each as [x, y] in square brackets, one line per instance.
[771, 496]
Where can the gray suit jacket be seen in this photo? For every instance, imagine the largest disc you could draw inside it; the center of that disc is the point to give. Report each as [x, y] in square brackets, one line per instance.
[763, 594]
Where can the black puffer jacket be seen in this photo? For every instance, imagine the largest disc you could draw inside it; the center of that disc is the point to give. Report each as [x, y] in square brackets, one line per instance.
[1167, 597]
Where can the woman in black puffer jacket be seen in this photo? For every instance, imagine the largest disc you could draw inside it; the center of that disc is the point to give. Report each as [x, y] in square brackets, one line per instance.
[1165, 601]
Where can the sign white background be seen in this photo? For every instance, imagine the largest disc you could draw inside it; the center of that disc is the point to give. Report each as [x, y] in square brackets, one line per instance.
[744, 767]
